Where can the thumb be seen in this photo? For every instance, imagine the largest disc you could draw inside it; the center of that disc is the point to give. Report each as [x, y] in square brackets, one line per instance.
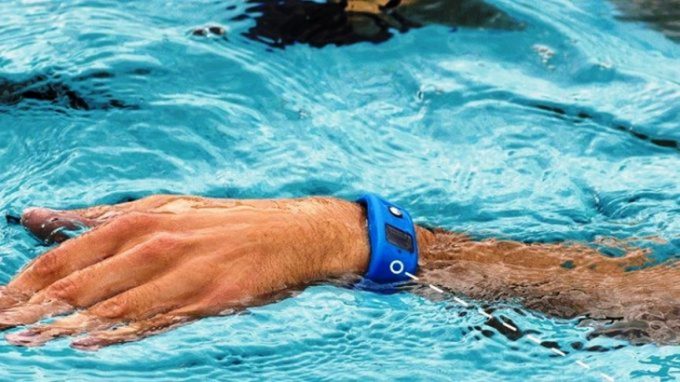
[56, 226]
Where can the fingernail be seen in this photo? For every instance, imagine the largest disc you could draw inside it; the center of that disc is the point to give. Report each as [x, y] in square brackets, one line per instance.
[25, 338]
[33, 213]
[87, 344]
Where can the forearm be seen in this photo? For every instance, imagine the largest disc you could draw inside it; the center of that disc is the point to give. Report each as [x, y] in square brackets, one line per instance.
[316, 238]
[564, 280]
[334, 241]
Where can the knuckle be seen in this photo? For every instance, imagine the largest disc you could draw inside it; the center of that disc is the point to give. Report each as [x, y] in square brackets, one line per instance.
[151, 255]
[166, 245]
[28, 215]
[133, 220]
[159, 247]
[47, 265]
[65, 289]
[164, 242]
[116, 307]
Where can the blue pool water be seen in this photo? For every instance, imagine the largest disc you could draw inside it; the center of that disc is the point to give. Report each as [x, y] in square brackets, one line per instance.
[564, 127]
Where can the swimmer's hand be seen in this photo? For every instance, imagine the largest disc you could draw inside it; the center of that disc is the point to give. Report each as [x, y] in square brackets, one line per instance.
[156, 263]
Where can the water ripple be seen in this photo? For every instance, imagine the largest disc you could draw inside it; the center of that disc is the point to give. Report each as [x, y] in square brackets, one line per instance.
[565, 128]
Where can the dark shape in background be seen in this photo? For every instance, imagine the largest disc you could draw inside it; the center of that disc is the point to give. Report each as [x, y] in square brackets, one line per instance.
[52, 89]
[40, 88]
[663, 15]
[285, 22]
[279, 23]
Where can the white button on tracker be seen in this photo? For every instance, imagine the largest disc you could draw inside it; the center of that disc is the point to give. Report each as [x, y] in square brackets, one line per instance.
[396, 267]
[395, 211]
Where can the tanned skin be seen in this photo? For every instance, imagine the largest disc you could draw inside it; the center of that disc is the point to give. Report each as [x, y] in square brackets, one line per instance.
[153, 264]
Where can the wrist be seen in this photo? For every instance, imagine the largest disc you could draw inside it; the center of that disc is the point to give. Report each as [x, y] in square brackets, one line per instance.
[357, 252]
[344, 246]
[349, 248]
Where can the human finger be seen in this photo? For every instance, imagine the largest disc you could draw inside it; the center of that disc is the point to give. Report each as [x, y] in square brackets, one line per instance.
[52, 225]
[73, 255]
[157, 296]
[71, 325]
[134, 331]
[32, 311]
[119, 273]
[55, 226]
[10, 297]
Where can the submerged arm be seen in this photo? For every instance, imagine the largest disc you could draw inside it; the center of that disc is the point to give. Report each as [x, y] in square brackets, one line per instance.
[563, 280]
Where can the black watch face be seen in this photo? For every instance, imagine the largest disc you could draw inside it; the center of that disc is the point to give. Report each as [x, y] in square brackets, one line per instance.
[399, 238]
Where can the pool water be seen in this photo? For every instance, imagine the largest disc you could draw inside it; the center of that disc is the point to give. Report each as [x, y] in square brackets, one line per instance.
[560, 123]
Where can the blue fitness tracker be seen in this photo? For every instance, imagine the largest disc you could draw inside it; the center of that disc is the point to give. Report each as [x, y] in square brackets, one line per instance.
[394, 249]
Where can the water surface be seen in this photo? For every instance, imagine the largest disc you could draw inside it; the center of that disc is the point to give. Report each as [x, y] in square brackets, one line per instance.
[562, 125]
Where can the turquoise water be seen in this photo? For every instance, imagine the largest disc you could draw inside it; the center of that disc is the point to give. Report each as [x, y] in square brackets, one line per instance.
[564, 127]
